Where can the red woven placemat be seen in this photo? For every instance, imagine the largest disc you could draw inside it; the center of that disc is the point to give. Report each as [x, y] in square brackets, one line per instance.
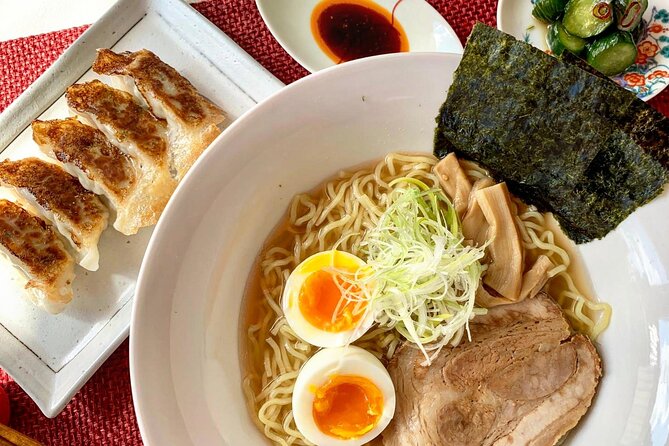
[102, 413]
[23, 60]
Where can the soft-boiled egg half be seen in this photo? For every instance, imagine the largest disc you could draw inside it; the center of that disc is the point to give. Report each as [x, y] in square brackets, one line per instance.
[343, 397]
[317, 300]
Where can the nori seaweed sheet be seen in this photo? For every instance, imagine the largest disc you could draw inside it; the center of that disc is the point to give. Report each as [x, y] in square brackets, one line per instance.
[648, 127]
[562, 138]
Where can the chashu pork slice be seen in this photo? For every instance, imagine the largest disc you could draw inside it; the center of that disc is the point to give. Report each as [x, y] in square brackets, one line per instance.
[36, 251]
[192, 120]
[54, 194]
[102, 168]
[522, 380]
[132, 129]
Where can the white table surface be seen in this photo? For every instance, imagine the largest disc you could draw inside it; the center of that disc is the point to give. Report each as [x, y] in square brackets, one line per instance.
[22, 18]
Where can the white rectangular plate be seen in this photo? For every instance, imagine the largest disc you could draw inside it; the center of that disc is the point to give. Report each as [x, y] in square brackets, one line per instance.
[49, 356]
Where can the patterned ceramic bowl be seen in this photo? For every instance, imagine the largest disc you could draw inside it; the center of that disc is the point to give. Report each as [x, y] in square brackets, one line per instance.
[646, 78]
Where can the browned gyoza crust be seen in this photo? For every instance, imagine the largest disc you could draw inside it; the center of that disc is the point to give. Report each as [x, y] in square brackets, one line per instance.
[71, 142]
[34, 247]
[137, 133]
[153, 75]
[59, 193]
[123, 116]
[102, 168]
[192, 119]
[522, 380]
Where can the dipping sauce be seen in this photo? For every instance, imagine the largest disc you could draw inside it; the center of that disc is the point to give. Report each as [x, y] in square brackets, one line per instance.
[351, 29]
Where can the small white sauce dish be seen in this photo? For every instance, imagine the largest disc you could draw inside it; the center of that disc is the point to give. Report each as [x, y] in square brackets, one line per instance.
[289, 21]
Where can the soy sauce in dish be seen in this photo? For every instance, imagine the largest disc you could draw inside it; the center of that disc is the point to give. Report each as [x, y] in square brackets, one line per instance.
[348, 30]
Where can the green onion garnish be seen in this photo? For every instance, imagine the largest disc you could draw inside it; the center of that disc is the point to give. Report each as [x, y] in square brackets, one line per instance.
[420, 278]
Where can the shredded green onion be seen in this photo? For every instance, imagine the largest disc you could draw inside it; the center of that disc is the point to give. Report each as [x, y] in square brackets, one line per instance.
[420, 278]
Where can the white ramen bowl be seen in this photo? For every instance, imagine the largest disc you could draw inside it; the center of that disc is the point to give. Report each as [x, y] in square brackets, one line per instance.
[185, 329]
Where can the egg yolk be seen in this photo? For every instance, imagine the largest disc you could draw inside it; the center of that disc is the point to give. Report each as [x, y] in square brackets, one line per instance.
[347, 406]
[319, 299]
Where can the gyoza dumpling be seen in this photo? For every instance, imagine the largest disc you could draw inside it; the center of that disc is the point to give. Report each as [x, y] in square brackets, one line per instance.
[192, 120]
[34, 249]
[102, 168]
[54, 194]
[132, 129]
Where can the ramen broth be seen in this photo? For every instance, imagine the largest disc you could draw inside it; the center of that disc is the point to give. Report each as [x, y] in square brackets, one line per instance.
[272, 354]
[283, 236]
